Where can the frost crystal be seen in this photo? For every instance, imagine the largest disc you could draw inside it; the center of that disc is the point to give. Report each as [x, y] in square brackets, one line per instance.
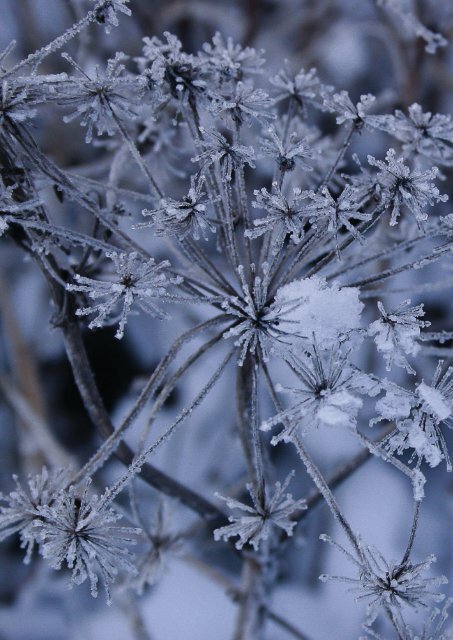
[139, 281]
[162, 543]
[304, 86]
[413, 25]
[12, 208]
[402, 187]
[216, 148]
[243, 105]
[14, 104]
[258, 321]
[396, 333]
[433, 628]
[231, 61]
[80, 531]
[277, 510]
[302, 309]
[289, 152]
[106, 12]
[419, 416]
[168, 67]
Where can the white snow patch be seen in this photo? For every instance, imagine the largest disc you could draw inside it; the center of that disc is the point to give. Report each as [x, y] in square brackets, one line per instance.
[313, 307]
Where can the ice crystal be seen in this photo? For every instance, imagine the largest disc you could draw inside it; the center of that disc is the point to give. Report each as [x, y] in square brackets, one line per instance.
[80, 531]
[401, 187]
[300, 310]
[303, 86]
[13, 208]
[22, 507]
[170, 68]
[229, 61]
[243, 104]
[432, 629]
[275, 510]
[396, 333]
[413, 25]
[419, 416]
[14, 104]
[257, 320]
[161, 543]
[138, 281]
[365, 183]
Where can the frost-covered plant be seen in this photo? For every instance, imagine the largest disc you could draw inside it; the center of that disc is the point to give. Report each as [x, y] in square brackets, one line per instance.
[22, 508]
[137, 281]
[242, 195]
[388, 585]
[396, 333]
[265, 512]
[401, 187]
[329, 393]
[80, 531]
[419, 415]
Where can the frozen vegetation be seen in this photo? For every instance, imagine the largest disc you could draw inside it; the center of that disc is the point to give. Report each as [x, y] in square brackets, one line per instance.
[225, 281]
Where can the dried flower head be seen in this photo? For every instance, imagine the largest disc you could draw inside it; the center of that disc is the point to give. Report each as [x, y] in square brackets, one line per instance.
[80, 531]
[329, 393]
[104, 101]
[182, 217]
[401, 187]
[396, 333]
[387, 585]
[137, 281]
[277, 510]
[23, 506]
